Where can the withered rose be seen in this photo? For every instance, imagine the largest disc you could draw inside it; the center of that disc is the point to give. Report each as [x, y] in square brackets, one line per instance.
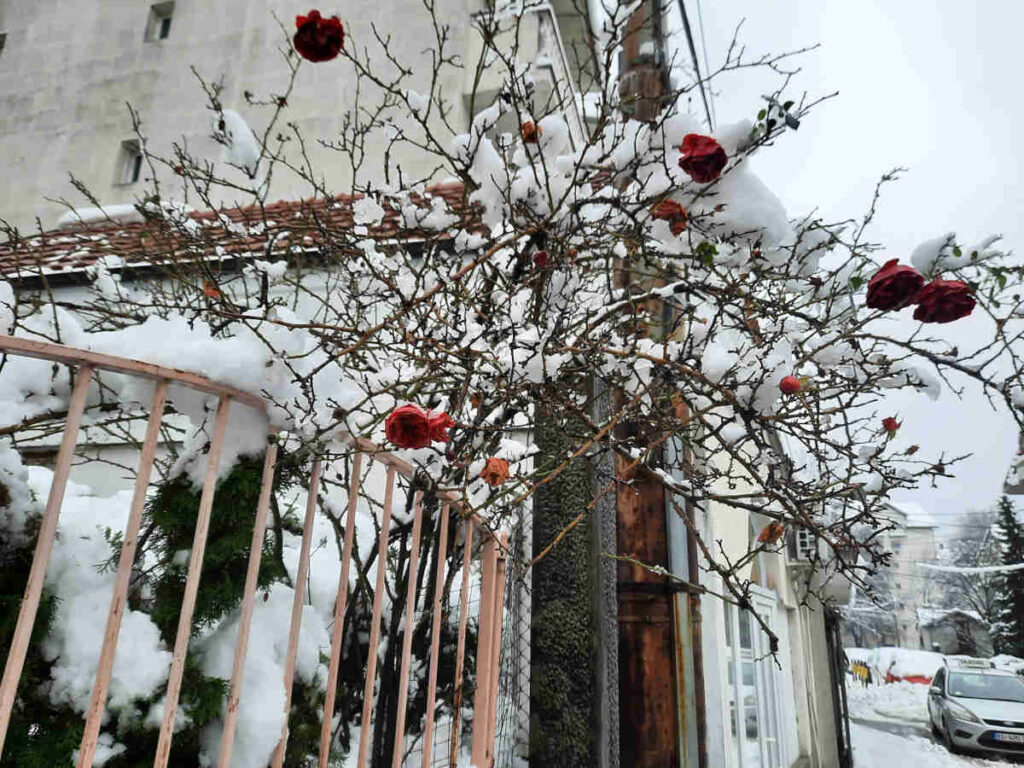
[530, 132]
[408, 427]
[943, 301]
[703, 157]
[894, 286]
[318, 39]
[439, 425]
[495, 471]
[673, 213]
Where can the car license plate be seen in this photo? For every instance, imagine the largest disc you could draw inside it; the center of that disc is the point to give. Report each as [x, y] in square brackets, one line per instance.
[1012, 738]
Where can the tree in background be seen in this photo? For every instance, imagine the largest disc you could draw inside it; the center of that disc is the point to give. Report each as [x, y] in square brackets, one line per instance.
[1008, 625]
[972, 543]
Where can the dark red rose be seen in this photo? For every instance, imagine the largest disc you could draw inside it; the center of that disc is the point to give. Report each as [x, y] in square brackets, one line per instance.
[703, 157]
[495, 471]
[943, 301]
[673, 213]
[890, 426]
[439, 424]
[530, 131]
[317, 38]
[540, 259]
[790, 385]
[408, 427]
[894, 286]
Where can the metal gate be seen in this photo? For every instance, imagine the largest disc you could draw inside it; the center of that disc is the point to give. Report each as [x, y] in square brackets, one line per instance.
[837, 674]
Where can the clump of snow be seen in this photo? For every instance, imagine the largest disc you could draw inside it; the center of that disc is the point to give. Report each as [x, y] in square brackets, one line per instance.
[366, 210]
[273, 270]
[126, 213]
[83, 591]
[883, 701]
[21, 504]
[7, 305]
[240, 146]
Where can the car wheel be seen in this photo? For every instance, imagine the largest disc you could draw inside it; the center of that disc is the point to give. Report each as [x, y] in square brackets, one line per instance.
[948, 739]
[935, 729]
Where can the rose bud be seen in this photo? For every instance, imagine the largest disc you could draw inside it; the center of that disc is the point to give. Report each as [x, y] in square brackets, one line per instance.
[790, 385]
[495, 471]
[439, 425]
[540, 259]
[318, 39]
[894, 286]
[408, 427]
[703, 157]
[531, 132]
[890, 425]
[943, 301]
[673, 213]
[771, 533]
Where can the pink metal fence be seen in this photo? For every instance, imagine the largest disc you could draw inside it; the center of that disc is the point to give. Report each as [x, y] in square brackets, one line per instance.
[492, 578]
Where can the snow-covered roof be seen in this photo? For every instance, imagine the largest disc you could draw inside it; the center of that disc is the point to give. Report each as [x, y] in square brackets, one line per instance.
[916, 515]
[148, 237]
[928, 617]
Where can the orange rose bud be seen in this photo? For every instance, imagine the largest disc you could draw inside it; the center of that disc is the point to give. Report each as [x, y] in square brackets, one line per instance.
[531, 132]
[495, 471]
[790, 385]
[211, 290]
[771, 533]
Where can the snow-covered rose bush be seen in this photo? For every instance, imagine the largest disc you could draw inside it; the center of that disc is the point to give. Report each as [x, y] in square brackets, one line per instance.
[549, 259]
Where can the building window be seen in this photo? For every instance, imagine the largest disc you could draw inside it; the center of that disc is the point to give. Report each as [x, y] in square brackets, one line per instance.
[159, 26]
[130, 162]
[3, 41]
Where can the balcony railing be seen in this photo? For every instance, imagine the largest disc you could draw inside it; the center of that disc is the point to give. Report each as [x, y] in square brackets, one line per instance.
[492, 548]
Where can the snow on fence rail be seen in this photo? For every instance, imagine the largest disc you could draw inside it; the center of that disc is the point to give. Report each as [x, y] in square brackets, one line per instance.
[491, 585]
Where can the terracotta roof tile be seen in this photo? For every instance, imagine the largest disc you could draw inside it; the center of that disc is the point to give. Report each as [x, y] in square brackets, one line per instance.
[156, 241]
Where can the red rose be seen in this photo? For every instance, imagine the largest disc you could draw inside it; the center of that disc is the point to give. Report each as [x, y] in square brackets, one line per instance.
[890, 425]
[439, 424]
[943, 301]
[317, 38]
[790, 385]
[530, 131]
[673, 213]
[495, 471]
[894, 286]
[703, 157]
[540, 259]
[408, 427]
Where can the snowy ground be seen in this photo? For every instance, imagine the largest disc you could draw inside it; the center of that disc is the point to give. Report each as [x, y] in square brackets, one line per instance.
[889, 729]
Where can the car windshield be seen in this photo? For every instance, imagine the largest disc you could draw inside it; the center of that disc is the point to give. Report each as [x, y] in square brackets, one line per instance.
[999, 687]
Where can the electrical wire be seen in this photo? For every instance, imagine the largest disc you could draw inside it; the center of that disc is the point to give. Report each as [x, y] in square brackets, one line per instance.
[704, 50]
[696, 64]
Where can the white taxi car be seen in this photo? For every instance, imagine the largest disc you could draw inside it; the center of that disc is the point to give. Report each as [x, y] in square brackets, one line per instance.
[975, 707]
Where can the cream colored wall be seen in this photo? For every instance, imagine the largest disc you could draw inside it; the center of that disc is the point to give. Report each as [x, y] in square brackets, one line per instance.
[69, 66]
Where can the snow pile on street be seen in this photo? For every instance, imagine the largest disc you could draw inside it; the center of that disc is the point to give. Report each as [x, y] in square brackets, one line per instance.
[874, 748]
[899, 662]
[900, 700]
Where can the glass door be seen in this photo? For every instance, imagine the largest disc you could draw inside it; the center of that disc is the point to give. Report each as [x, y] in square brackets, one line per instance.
[753, 693]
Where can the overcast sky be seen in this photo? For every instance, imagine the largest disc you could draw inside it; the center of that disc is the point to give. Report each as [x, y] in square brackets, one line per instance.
[932, 86]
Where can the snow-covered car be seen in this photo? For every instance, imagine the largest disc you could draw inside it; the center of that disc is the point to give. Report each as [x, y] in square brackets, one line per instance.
[974, 707]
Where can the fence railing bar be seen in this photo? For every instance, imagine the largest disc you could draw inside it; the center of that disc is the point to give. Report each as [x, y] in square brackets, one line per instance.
[259, 528]
[44, 350]
[378, 598]
[435, 637]
[499, 612]
[460, 653]
[41, 556]
[300, 596]
[484, 653]
[119, 597]
[195, 567]
[340, 604]
[410, 625]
